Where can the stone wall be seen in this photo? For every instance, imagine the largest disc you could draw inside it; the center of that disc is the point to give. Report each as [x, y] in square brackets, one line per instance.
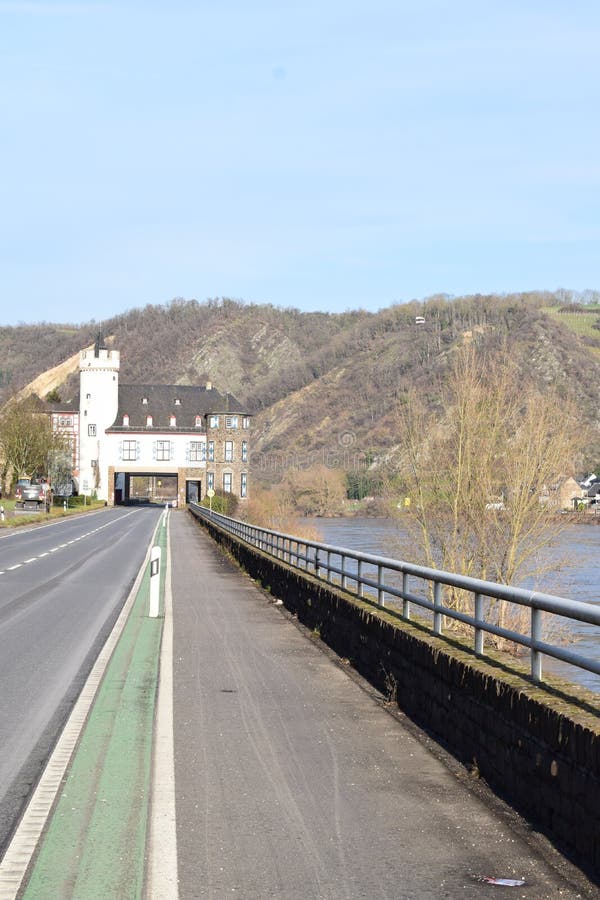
[538, 747]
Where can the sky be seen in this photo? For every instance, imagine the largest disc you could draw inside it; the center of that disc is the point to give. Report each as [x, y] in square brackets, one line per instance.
[319, 154]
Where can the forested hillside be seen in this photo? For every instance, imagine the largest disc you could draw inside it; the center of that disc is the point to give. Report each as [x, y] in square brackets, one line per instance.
[324, 387]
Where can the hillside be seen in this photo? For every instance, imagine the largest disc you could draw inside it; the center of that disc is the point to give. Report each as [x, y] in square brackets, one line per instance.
[324, 387]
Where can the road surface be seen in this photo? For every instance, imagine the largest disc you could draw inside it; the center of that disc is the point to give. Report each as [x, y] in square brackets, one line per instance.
[61, 588]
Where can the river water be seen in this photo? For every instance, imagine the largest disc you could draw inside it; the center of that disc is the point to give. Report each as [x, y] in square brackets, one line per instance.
[573, 572]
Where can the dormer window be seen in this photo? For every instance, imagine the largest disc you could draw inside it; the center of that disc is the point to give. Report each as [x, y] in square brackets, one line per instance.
[126, 421]
[148, 421]
[198, 422]
[145, 401]
[177, 401]
[172, 421]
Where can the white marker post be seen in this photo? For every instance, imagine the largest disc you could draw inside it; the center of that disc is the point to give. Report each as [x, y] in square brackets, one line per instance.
[154, 581]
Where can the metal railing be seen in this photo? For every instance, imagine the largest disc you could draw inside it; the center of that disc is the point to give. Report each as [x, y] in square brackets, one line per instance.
[381, 581]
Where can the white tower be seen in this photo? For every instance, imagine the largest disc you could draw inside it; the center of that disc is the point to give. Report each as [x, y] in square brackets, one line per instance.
[98, 404]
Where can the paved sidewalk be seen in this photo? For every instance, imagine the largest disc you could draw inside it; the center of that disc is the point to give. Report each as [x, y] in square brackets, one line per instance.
[294, 782]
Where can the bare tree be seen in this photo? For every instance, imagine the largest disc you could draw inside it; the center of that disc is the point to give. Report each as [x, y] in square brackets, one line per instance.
[475, 473]
[318, 491]
[27, 442]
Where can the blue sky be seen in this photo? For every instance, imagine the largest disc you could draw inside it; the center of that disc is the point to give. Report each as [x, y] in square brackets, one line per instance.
[325, 155]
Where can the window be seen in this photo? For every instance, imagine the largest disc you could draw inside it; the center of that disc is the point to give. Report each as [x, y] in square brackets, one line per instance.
[213, 421]
[163, 450]
[93, 463]
[88, 396]
[149, 421]
[197, 451]
[172, 421]
[243, 485]
[228, 451]
[198, 422]
[227, 482]
[210, 481]
[91, 431]
[65, 421]
[245, 422]
[126, 420]
[145, 401]
[129, 450]
[211, 451]
[231, 421]
[177, 401]
[244, 451]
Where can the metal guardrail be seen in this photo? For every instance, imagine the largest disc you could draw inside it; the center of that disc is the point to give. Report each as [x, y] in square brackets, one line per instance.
[354, 572]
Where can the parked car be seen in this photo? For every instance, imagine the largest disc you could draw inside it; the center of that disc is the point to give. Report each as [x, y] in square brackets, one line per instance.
[33, 493]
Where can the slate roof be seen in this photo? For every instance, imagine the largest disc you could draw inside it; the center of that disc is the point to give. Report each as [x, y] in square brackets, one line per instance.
[185, 402]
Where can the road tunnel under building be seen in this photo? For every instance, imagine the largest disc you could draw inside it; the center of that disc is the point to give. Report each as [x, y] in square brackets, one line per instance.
[145, 487]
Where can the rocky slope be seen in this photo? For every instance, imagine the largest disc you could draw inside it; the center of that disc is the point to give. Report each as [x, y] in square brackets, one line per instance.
[323, 387]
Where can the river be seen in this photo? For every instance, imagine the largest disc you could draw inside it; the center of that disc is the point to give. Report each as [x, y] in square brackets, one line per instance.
[574, 572]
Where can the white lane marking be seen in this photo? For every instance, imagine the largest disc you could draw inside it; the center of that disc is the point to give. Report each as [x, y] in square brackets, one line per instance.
[162, 877]
[68, 544]
[8, 533]
[20, 851]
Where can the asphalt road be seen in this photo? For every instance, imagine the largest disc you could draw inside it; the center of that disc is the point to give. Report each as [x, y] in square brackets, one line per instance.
[293, 780]
[62, 586]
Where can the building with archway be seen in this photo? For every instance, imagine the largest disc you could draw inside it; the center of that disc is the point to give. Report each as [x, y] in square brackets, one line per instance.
[156, 443]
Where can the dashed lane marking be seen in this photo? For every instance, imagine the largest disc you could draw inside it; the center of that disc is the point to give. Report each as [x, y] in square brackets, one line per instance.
[63, 546]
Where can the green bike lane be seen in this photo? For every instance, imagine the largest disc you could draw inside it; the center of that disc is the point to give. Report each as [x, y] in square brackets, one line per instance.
[94, 845]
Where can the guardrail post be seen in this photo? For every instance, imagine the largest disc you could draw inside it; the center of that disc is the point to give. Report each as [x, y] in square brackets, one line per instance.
[317, 562]
[360, 590]
[479, 633]
[380, 586]
[344, 578]
[437, 602]
[536, 636]
[405, 603]
[154, 582]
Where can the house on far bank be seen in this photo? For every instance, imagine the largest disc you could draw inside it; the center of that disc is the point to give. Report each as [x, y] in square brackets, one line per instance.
[573, 494]
[593, 493]
[570, 494]
[153, 443]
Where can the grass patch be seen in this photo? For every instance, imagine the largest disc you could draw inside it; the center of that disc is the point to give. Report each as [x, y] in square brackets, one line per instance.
[16, 519]
[581, 323]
